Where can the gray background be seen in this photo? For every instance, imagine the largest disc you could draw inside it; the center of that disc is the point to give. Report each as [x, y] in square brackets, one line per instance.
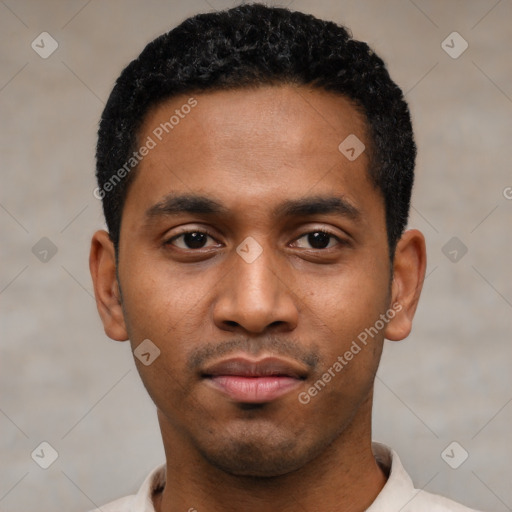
[64, 382]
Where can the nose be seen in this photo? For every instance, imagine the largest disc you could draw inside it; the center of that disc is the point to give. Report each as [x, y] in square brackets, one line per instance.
[256, 296]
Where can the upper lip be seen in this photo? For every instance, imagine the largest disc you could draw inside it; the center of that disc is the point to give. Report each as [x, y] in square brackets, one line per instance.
[265, 367]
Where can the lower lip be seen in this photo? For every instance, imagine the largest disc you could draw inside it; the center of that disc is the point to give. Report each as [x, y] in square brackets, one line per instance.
[254, 389]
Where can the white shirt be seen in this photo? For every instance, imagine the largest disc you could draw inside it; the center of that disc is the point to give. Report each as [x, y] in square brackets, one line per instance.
[397, 495]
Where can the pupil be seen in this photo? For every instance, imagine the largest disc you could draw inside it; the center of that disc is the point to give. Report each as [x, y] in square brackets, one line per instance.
[195, 240]
[319, 240]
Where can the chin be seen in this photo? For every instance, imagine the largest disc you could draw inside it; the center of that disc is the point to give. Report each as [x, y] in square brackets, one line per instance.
[261, 454]
[250, 460]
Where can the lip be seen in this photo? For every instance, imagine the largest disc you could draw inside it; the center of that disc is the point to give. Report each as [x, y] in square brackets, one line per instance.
[247, 380]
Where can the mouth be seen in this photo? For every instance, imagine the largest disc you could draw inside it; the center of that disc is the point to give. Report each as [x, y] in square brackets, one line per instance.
[247, 380]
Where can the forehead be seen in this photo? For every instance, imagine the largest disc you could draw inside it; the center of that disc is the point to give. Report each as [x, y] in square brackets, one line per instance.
[254, 147]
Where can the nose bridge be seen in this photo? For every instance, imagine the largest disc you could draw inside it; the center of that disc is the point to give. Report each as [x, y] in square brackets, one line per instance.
[255, 270]
[253, 295]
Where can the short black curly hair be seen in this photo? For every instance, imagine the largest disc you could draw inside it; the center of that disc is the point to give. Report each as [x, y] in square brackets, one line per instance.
[249, 46]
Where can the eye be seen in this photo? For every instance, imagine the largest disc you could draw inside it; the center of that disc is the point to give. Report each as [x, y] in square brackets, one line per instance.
[320, 239]
[195, 239]
[190, 240]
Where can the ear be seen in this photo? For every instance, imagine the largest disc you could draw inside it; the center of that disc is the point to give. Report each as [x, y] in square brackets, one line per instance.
[102, 264]
[408, 275]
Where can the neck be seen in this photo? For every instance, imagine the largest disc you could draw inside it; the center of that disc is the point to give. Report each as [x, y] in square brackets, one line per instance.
[344, 477]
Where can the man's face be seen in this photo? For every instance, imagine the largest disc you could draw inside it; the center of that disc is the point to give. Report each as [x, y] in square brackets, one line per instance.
[217, 312]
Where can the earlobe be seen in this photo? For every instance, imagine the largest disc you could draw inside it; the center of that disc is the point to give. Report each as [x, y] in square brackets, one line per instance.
[408, 275]
[102, 264]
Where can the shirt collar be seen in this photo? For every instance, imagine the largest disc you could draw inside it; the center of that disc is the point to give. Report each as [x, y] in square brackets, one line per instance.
[399, 489]
[395, 494]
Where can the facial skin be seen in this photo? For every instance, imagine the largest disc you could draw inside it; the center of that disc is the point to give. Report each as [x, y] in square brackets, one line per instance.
[251, 151]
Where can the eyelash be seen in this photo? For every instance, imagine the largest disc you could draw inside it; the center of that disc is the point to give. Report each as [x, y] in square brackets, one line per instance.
[205, 232]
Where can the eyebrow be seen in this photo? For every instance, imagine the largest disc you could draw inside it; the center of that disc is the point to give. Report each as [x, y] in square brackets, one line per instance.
[316, 205]
[197, 204]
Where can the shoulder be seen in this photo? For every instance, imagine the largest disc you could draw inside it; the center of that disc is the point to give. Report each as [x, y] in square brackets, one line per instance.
[426, 502]
[399, 492]
[142, 501]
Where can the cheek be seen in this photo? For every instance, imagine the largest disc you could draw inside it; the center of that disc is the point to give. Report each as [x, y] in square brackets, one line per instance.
[349, 313]
[160, 302]
[167, 308]
[353, 299]
[158, 308]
